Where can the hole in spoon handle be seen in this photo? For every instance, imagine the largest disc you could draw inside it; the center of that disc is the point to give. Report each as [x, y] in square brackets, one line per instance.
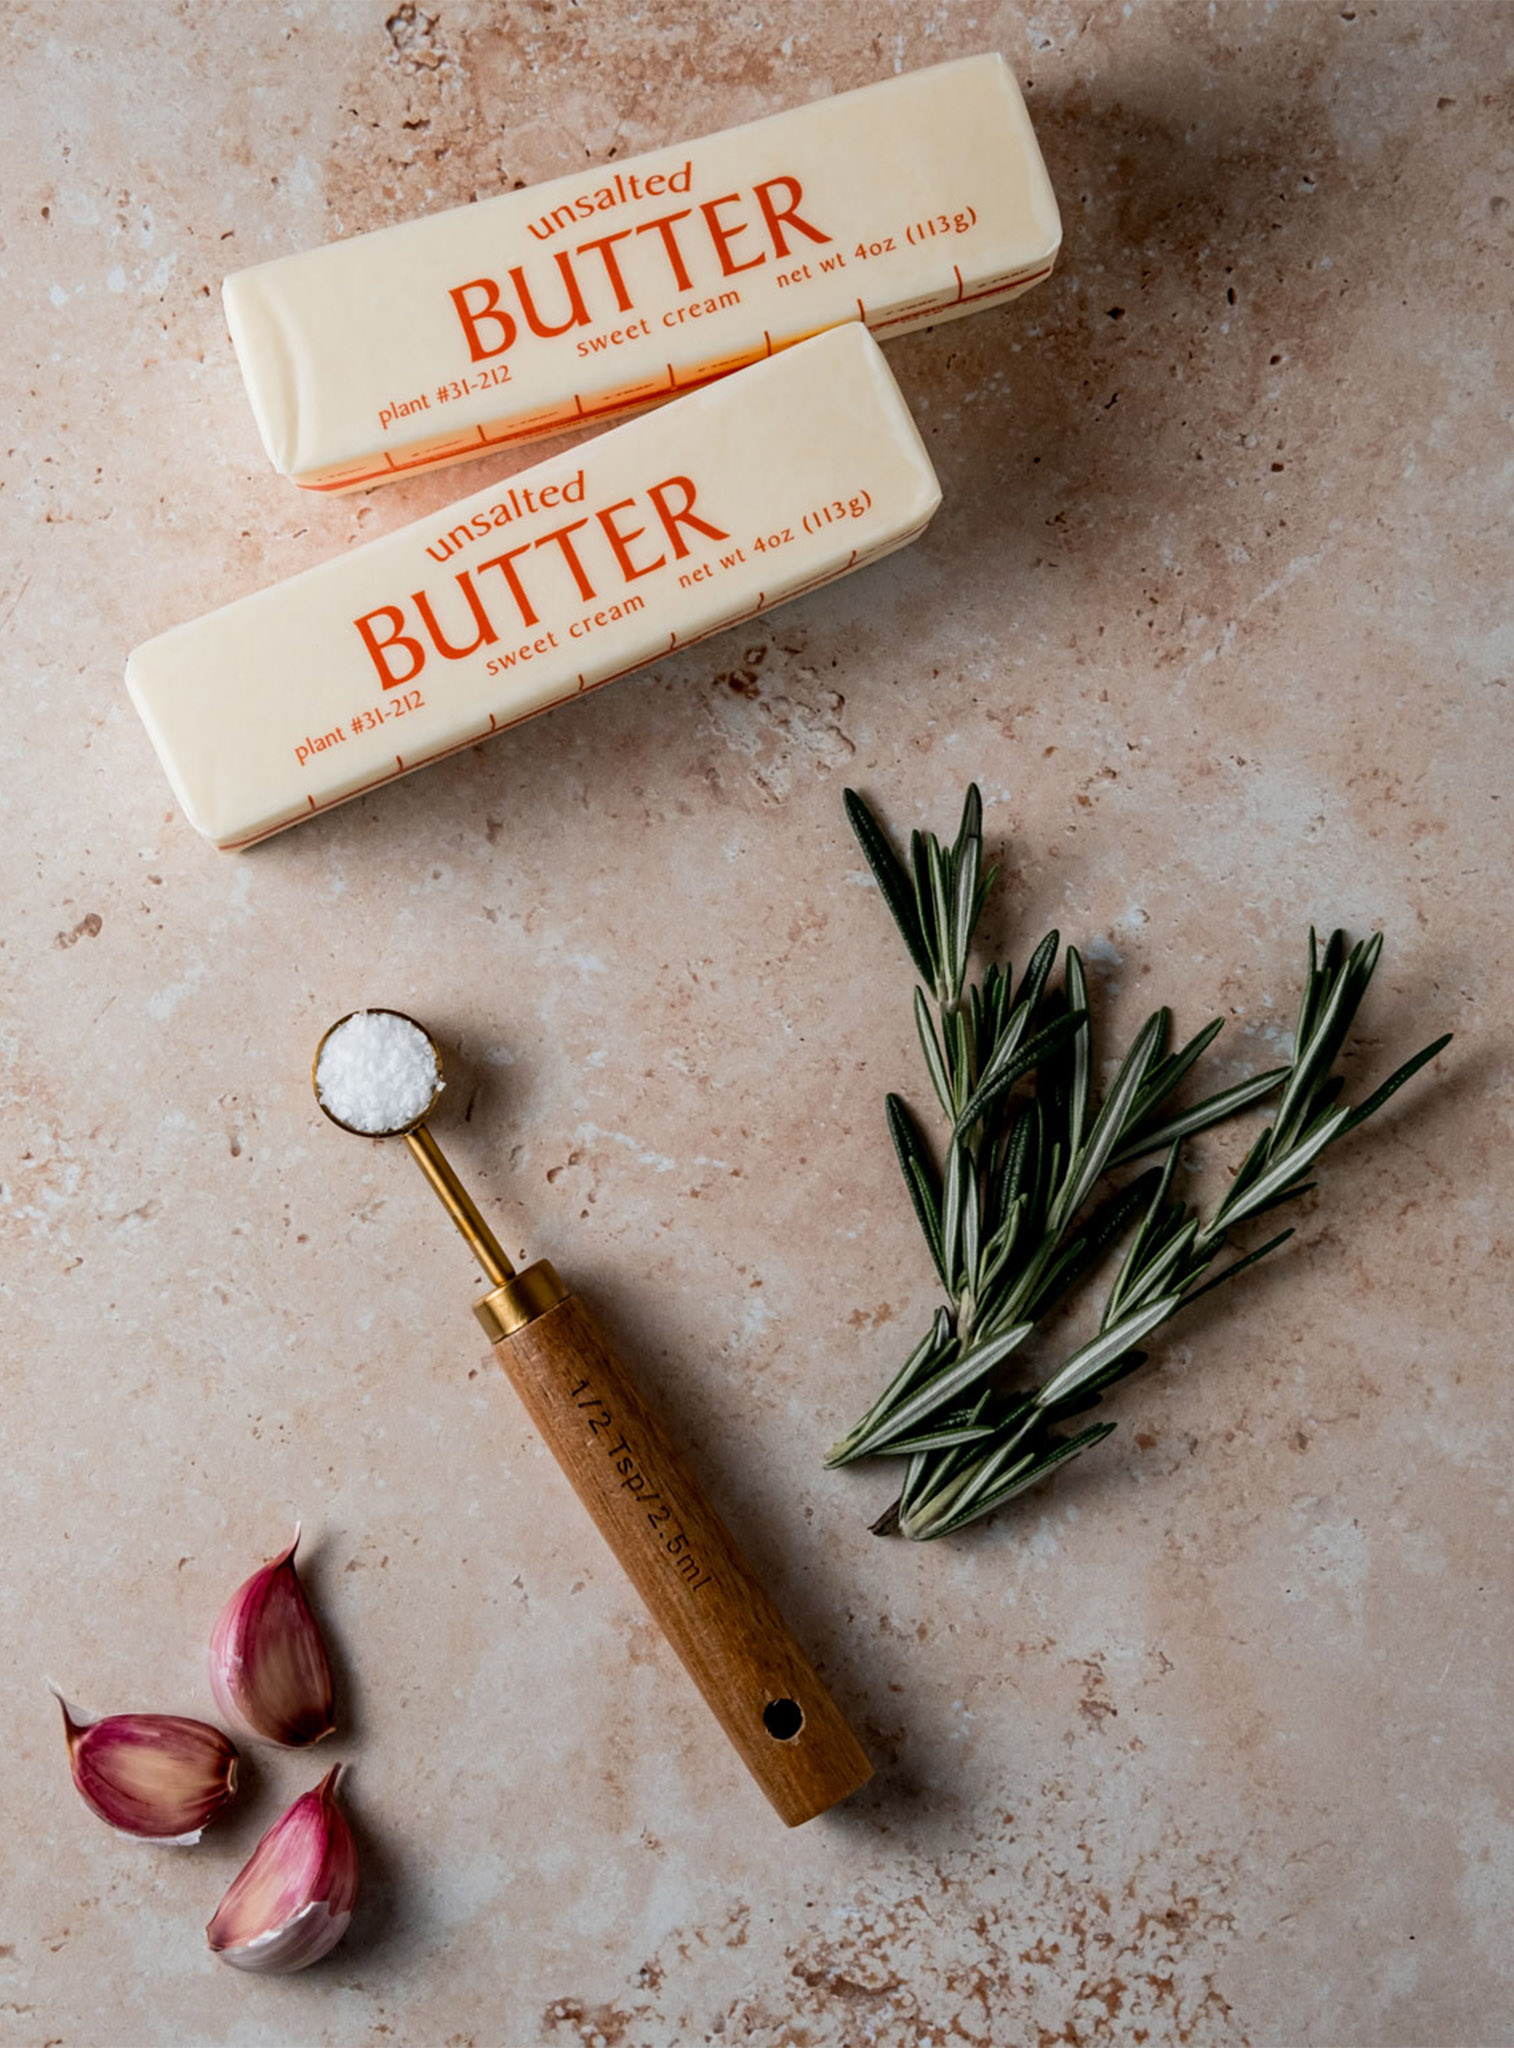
[783, 1719]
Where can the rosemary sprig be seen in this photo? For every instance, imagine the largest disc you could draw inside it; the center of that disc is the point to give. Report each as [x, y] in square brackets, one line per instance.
[1011, 1218]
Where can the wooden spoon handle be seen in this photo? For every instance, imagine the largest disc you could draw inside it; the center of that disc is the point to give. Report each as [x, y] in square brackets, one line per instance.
[680, 1557]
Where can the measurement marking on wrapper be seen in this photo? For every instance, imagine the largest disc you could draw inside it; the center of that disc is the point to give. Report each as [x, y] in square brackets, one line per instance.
[597, 1413]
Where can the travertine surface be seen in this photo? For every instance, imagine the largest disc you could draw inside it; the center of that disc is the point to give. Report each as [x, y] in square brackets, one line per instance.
[1209, 1742]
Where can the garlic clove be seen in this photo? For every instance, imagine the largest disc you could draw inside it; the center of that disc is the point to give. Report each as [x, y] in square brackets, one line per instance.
[292, 1901]
[154, 1777]
[268, 1665]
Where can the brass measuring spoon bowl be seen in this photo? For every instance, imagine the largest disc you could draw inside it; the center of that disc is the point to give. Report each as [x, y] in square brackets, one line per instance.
[399, 1130]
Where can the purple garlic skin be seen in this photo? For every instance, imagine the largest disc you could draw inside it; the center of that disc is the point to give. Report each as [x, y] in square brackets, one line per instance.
[155, 1777]
[291, 1903]
[268, 1666]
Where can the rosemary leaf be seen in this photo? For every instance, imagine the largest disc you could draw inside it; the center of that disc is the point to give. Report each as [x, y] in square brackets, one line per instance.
[970, 831]
[1238, 1266]
[1082, 1048]
[1027, 1473]
[1311, 1063]
[953, 1379]
[925, 906]
[1097, 1353]
[1041, 963]
[966, 858]
[943, 1438]
[920, 1177]
[893, 882]
[971, 1234]
[1396, 1081]
[1290, 1167]
[1309, 1000]
[951, 1215]
[1215, 1109]
[1110, 1123]
[1107, 1223]
[1166, 1075]
[1144, 1237]
[948, 982]
[935, 1064]
[1031, 1054]
[1092, 1391]
[936, 1344]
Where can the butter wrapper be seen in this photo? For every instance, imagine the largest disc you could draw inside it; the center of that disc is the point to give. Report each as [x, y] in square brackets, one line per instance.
[900, 204]
[709, 511]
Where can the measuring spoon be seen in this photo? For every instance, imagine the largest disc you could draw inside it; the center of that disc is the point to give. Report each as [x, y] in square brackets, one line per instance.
[646, 1504]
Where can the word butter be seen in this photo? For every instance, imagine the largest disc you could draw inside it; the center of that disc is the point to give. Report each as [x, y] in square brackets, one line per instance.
[520, 316]
[706, 512]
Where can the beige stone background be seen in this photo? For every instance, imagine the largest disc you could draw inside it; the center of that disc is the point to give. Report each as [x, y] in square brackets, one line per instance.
[1207, 1743]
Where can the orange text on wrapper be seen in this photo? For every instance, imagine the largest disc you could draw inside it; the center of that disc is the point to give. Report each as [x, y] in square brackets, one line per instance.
[598, 563]
[519, 499]
[623, 186]
[580, 629]
[317, 743]
[491, 313]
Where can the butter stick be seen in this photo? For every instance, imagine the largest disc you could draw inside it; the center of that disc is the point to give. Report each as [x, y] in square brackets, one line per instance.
[708, 511]
[900, 204]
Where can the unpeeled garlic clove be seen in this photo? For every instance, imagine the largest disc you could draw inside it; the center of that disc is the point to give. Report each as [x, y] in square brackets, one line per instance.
[155, 1777]
[291, 1904]
[268, 1666]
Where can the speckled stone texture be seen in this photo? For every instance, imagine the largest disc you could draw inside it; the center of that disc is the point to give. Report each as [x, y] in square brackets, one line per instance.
[1208, 1743]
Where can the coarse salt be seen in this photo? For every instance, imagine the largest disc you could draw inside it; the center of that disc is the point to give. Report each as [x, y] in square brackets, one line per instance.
[377, 1072]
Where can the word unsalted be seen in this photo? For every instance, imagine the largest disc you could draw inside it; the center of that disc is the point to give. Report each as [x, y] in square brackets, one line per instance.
[706, 512]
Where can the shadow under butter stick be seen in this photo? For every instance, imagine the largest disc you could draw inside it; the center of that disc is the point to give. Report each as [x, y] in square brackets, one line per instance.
[734, 1644]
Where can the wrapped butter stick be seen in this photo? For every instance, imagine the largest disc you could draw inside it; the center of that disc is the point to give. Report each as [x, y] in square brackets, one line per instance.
[524, 315]
[659, 532]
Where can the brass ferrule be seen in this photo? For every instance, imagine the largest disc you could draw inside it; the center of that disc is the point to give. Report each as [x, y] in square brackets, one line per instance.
[530, 1294]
